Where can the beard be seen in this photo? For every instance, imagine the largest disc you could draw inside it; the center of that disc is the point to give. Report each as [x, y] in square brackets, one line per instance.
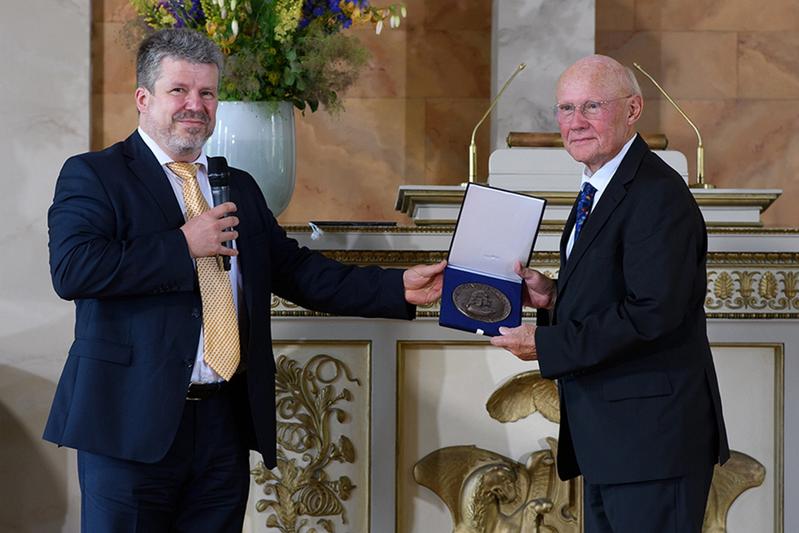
[182, 140]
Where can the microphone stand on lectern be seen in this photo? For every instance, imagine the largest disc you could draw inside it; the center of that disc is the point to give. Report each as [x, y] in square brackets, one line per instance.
[472, 145]
[700, 148]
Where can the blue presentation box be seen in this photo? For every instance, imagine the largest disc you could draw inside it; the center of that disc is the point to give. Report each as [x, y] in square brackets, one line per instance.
[495, 229]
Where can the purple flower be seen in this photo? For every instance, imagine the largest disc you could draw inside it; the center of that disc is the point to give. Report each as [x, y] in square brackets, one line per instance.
[192, 17]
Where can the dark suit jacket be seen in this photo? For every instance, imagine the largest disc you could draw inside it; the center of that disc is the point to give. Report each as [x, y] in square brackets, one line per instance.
[627, 338]
[116, 250]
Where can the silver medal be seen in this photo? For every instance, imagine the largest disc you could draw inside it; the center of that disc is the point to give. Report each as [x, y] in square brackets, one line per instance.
[481, 302]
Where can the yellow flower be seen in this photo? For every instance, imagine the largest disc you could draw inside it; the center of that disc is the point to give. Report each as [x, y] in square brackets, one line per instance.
[288, 17]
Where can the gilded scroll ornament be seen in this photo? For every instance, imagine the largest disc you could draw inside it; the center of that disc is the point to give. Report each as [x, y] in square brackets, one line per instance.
[302, 497]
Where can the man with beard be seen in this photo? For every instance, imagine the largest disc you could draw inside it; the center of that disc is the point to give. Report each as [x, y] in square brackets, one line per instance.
[170, 380]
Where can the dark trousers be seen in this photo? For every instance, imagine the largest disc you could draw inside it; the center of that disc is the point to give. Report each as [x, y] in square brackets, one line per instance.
[675, 505]
[201, 485]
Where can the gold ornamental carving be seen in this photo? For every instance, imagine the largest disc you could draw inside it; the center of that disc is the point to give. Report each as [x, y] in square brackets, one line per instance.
[301, 496]
[740, 473]
[739, 284]
[765, 292]
[487, 492]
[523, 395]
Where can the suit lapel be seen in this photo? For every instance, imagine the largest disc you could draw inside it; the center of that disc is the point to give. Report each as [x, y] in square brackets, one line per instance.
[613, 195]
[143, 164]
[241, 243]
[567, 231]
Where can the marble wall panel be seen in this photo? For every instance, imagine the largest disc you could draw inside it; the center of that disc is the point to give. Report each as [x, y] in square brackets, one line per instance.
[736, 58]
[615, 15]
[449, 125]
[768, 65]
[45, 110]
[547, 35]
[745, 146]
[448, 63]
[349, 166]
[416, 11]
[114, 117]
[113, 73]
[440, 52]
[112, 11]
[459, 15]
[696, 65]
[438, 60]
[385, 75]
[681, 15]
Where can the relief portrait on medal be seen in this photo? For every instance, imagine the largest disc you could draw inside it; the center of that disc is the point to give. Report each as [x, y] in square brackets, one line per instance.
[481, 302]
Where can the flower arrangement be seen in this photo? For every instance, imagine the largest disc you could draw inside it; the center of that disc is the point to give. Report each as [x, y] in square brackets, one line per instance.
[278, 49]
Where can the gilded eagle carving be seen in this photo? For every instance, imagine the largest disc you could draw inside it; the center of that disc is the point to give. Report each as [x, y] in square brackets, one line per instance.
[486, 492]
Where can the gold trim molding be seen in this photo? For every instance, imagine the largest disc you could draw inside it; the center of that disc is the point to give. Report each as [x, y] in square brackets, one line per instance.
[548, 258]
[740, 285]
[433, 227]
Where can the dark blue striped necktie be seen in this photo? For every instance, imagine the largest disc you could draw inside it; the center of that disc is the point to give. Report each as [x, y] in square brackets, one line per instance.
[584, 203]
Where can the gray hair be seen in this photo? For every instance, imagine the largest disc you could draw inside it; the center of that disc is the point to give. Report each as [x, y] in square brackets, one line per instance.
[633, 87]
[176, 43]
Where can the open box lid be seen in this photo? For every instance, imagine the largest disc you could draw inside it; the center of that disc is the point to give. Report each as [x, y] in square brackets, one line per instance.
[495, 229]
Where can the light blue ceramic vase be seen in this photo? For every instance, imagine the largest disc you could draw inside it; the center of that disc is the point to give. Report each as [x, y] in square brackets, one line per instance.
[258, 137]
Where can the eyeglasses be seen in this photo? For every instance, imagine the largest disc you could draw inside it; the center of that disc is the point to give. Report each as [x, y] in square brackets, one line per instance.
[589, 108]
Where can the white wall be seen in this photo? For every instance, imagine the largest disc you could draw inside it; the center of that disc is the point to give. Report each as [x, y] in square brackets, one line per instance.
[44, 104]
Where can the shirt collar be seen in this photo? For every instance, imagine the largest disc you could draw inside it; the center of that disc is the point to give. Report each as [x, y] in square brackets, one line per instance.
[162, 157]
[600, 179]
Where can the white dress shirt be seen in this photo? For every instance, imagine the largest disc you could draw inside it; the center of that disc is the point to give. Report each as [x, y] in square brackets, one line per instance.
[600, 180]
[201, 373]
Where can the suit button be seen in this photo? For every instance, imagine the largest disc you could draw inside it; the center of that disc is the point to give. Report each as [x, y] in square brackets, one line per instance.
[195, 313]
[189, 364]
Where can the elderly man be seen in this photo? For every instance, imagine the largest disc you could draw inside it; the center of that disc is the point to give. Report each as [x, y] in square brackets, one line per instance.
[623, 329]
[170, 380]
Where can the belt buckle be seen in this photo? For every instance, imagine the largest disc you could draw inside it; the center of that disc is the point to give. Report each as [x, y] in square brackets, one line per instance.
[191, 398]
[198, 394]
[203, 391]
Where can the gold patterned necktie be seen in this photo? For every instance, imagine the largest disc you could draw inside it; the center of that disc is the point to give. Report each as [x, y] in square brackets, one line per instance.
[221, 349]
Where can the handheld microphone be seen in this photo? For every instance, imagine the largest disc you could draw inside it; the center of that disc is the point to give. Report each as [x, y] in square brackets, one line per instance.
[218, 177]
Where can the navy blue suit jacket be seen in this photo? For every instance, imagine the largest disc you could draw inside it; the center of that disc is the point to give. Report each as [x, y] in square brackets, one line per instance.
[116, 250]
[627, 338]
